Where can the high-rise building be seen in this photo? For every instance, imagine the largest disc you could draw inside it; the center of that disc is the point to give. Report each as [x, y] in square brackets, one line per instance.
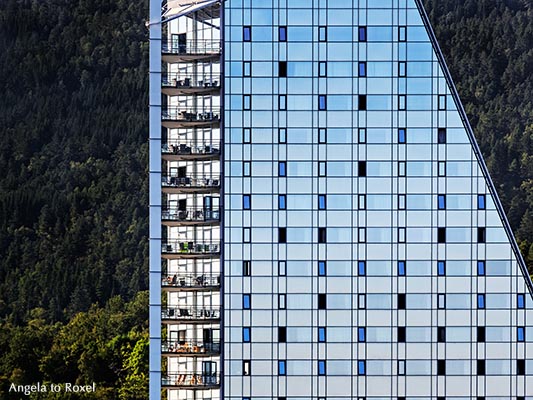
[322, 223]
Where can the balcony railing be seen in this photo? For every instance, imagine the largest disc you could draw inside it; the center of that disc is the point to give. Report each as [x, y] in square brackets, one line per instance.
[193, 348]
[189, 247]
[190, 214]
[191, 280]
[192, 47]
[190, 114]
[193, 380]
[190, 147]
[185, 81]
[190, 313]
[199, 181]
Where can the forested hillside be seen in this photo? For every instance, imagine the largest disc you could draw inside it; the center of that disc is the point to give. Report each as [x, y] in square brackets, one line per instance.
[73, 173]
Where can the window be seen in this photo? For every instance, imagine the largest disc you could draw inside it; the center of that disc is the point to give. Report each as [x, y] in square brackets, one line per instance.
[441, 367]
[441, 235]
[361, 200]
[480, 301]
[321, 268]
[282, 102]
[361, 268]
[282, 168]
[322, 69]
[246, 301]
[441, 334]
[401, 235]
[401, 367]
[442, 202]
[282, 367]
[442, 168]
[401, 168]
[246, 235]
[247, 33]
[282, 135]
[442, 102]
[246, 268]
[247, 135]
[322, 33]
[401, 301]
[480, 367]
[362, 33]
[361, 367]
[402, 135]
[282, 235]
[282, 33]
[521, 301]
[402, 33]
[441, 135]
[480, 334]
[361, 168]
[361, 335]
[481, 200]
[362, 102]
[520, 334]
[321, 201]
[401, 268]
[362, 69]
[361, 301]
[401, 334]
[361, 235]
[246, 367]
[322, 168]
[441, 301]
[322, 102]
[321, 367]
[282, 301]
[246, 168]
[321, 334]
[282, 69]
[520, 367]
[402, 102]
[481, 268]
[362, 135]
[246, 335]
[322, 301]
[441, 268]
[282, 202]
[481, 235]
[247, 102]
[402, 69]
[246, 202]
[282, 334]
[247, 69]
[282, 268]
[322, 235]
[322, 135]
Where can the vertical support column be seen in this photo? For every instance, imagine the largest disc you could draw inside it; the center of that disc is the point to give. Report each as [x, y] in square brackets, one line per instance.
[155, 200]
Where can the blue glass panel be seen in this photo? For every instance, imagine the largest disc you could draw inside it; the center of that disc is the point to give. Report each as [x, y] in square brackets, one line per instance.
[480, 301]
[322, 102]
[282, 33]
[321, 334]
[401, 268]
[282, 370]
[361, 268]
[481, 202]
[362, 33]
[322, 268]
[282, 202]
[246, 301]
[402, 135]
[246, 202]
[322, 202]
[362, 69]
[442, 202]
[521, 301]
[247, 33]
[361, 335]
[441, 268]
[321, 367]
[361, 368]
[246, 335]
[481, 268]
[282, 168]
[520, 334]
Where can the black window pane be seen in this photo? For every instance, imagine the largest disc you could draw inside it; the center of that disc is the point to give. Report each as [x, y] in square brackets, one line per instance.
[480, 367]
[321, 301]
[362, 102]
[481, 235]
[441, 334]
[401, 301]
[282, 235]
[441, 367]
[520, 367]
[282, 69]
[361, 168]
[442, 135]
[481, 334]
[401, 334]
[441, 235]
[282, 334]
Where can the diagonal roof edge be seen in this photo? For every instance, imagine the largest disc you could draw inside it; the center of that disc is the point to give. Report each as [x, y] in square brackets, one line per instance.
[178, 8]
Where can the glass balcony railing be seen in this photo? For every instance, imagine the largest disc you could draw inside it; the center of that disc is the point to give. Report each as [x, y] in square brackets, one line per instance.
[198, 46]
[190, 114]
[191, 347]
[190, 247]
[190, 147]
[190, 313]
[190, 214]
[192, 380]
[198, 180]
[186, 81]
[199, 280]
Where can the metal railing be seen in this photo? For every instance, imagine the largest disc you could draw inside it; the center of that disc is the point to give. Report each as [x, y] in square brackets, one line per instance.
[184, 80]
[189, 247]
[190, 114]
[199, 379]
[181, 147]
[198, 180]
[198, 280]
[200, 46]
[190, 313]
[198, 214]
[190, 347]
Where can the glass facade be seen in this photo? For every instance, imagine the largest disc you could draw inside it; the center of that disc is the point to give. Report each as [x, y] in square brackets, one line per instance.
[351, 243]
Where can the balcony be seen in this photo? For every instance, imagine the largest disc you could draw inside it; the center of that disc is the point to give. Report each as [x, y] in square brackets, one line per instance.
[190, 349]
[191, 381]
[190, 315]
[174, 216]
[185, 117]
[185, 51]
[174, 249]
[177, 84]
[178, 150]
[196, 282]
[199, 183]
